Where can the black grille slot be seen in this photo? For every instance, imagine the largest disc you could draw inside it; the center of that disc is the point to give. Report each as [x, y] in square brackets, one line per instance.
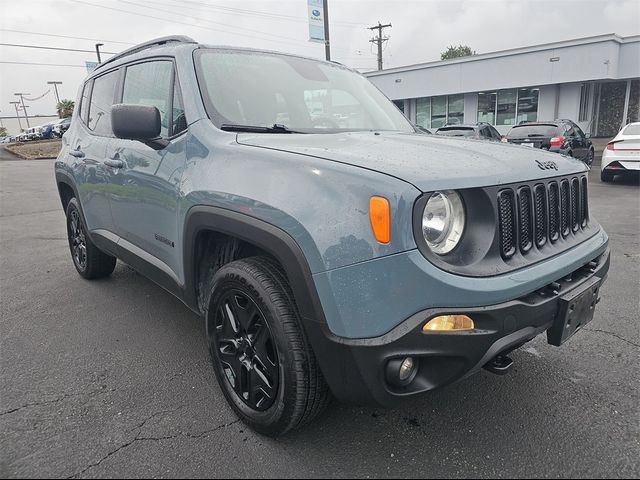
[540, 203]
[576, 213]
[525, 217]
[507, 213]
[565, 208]
[585, 202]
[554, 212]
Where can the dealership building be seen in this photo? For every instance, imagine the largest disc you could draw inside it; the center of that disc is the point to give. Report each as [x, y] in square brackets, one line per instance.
[594, 81]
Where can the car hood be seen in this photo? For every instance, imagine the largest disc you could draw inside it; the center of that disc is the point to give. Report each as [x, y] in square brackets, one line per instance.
[426, 161]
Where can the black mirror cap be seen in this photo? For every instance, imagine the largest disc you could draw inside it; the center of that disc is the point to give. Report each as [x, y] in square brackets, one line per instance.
[135, 122]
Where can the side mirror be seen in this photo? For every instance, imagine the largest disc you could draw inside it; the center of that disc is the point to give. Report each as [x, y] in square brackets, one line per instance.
[587, 135]
[137, 122]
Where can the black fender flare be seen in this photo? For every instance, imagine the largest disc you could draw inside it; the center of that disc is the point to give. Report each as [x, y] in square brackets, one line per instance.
[263, 235]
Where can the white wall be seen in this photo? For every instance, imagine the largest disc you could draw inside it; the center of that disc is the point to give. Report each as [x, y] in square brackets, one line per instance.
[598, 58]
[548, 102]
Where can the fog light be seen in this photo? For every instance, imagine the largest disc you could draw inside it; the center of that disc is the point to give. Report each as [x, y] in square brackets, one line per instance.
[406, 369]
[449, 323]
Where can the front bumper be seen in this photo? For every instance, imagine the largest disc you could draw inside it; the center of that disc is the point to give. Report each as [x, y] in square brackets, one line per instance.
[356, 368]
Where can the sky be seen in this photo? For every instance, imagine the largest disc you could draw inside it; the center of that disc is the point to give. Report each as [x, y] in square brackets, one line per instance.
[421, 30]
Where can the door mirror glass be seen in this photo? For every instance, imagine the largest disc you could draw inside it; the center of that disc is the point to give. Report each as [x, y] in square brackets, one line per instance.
[135, 122]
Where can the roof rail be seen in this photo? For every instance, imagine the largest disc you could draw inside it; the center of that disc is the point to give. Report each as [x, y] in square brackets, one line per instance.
[151, 43]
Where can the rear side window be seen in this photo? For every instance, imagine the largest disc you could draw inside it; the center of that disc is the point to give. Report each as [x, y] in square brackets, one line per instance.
[102, 95]
[457, 131]
[633, 129]
[150, 84]
[533, 131]
[84, 102]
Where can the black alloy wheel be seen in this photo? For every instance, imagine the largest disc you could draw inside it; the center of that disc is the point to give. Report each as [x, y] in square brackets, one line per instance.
[246, 350]
[77, 240]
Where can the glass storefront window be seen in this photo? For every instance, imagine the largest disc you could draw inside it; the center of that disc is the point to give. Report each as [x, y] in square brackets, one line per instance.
[455, 111]
[399, 104]
[438, 112]
[527, 104]
[423, 112]
[506, 109]
[487, 107]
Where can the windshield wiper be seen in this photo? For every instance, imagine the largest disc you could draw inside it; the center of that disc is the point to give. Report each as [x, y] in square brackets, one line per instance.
[275, 128]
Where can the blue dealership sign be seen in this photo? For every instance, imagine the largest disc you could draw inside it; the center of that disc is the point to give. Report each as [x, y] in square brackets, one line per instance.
[316, 21]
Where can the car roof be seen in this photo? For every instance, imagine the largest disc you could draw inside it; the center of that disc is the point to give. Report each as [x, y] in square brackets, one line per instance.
[172, 44]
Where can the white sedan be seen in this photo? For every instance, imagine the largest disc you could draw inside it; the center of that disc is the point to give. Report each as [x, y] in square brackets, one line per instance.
[622, 154]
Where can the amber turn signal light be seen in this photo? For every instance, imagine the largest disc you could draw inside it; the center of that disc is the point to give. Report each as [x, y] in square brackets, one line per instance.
[449, 323]
[380, 217]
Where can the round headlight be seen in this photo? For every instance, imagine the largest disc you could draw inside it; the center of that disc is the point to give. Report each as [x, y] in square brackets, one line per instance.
[443, 221]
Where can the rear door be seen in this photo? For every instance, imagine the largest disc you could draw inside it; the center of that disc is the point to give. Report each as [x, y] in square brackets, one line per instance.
[145, 205]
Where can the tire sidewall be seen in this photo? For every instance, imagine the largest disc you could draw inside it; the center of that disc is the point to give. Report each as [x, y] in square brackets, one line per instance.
[273, 420]
[71, 207]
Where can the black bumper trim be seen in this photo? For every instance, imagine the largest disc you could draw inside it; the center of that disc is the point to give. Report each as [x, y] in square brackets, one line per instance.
[355, 368]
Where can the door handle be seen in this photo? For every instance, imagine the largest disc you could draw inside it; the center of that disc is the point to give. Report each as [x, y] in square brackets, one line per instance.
[113, 162]
[77, 153]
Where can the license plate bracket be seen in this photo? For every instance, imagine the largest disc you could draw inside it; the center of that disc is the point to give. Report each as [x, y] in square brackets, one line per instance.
[576, 310]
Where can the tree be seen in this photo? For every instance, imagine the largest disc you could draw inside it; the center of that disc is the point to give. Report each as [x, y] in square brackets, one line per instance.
[456, 52]
[65, 108]
[3, 131]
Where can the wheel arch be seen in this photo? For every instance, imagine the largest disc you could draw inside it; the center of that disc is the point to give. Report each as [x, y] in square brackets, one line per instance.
[263, 236]
[66, 189]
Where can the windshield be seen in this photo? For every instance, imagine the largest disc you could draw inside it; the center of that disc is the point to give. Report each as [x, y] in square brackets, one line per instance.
[457, 131]
[533, 131]
[262, 89]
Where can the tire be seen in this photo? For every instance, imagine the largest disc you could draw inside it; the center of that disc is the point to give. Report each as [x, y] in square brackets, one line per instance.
[255, 339]
[590, 158]
[606, 176]
[90, 262]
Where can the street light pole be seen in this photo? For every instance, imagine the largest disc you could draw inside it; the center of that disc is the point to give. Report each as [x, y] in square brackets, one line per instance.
[21, 95]
[15, 104]
[55, 87]
[98, 45]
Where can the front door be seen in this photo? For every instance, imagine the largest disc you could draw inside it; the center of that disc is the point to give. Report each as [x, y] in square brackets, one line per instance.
[145, 202]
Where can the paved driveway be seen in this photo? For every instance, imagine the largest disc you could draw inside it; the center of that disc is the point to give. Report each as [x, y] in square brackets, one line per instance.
[111, 378]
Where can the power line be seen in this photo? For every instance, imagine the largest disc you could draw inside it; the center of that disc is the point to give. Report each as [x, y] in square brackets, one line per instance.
[43, 64]
[63, 36]
[173, 12]
[275, 16]
[178, 22]
[51, 48]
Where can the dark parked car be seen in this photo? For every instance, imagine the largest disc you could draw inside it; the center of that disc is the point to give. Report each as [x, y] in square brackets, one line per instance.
[480, 131]
[560, 136]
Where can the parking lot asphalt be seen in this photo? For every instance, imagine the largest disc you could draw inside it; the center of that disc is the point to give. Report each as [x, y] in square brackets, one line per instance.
[111, 378]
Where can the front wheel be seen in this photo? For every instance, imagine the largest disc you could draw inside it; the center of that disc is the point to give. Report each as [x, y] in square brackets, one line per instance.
[263, 362]
[590, 158]
[90, 262]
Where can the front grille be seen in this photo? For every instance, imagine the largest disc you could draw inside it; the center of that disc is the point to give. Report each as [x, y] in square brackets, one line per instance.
[533, 216]
[506, 212]
[565, 208]
[540, 199]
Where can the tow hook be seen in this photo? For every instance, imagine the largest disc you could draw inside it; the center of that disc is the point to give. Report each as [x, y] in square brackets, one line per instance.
[500, 365]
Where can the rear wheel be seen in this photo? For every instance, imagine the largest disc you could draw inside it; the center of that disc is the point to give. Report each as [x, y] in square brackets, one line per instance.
[263, 363]
[606, 176]
[90, 262]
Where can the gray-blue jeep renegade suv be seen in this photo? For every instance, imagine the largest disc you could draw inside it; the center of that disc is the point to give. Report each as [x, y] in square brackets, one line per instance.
[331, 248]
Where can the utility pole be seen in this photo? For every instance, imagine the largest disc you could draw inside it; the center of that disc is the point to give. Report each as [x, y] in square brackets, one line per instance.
[55, 87]
[21, 95]
[15, 104]
[327, 47]
[379, 40]
[98, 45]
